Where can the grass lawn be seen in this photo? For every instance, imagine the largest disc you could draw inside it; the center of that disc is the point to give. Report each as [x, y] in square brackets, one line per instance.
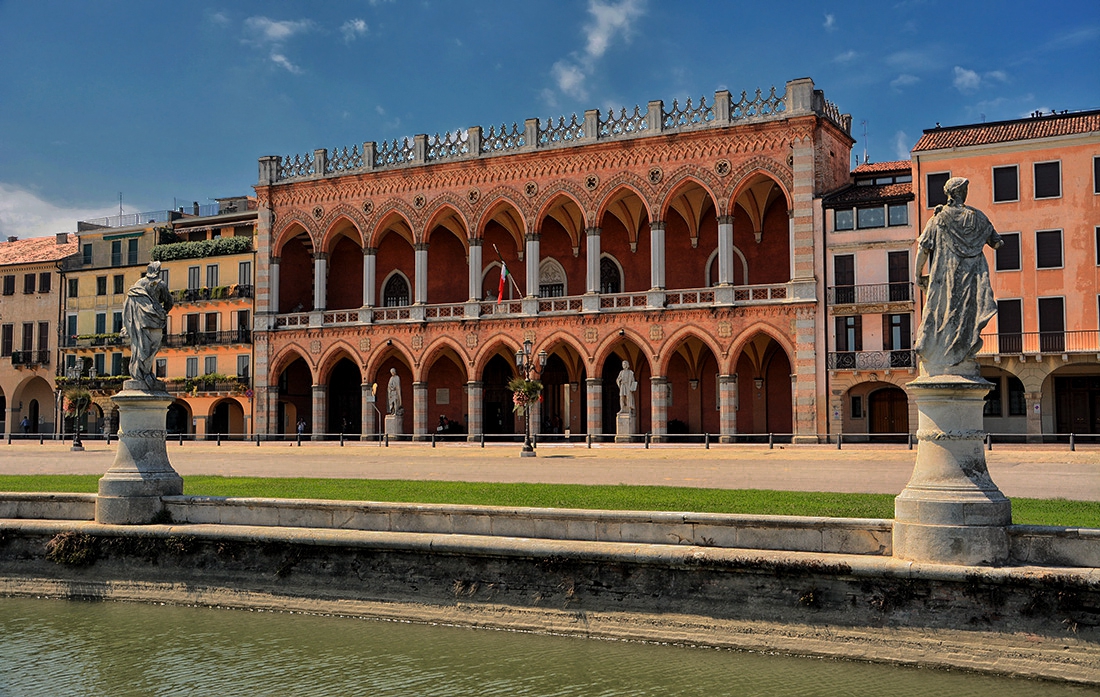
[621, 497]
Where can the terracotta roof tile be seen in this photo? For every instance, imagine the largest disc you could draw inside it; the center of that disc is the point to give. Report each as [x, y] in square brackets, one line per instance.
[1007, 131]
[895, 166]
[35, 250]
[855, 195]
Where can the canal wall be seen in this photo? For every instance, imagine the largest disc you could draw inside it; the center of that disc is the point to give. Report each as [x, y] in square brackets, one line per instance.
[816, 586]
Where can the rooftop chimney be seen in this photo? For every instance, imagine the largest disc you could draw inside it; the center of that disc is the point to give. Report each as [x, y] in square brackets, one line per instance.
[62, 238]
[13, 238]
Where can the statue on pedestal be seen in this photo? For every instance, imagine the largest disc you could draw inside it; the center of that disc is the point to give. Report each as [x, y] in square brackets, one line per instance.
[960, 299]
[627, 386]
[393, 394]
[144, 317]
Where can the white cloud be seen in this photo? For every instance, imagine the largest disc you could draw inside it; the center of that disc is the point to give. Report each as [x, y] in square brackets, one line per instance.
[25, 214]
[284, 62]
[570, 79]
[904, 80]
[846, 57]
[966, 80]
[353, 29]
[218, 18]
[901, 146]
[611, 21]
[830, 22]
[271, 35]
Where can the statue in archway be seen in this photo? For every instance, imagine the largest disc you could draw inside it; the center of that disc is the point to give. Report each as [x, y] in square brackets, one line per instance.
[393, 394]
[144, 317]
[627, 386]
[959, 298]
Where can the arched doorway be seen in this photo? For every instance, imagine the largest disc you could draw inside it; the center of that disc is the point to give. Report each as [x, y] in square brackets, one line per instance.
[296, 274]
[692, 376]
[226, 417]
[345, 398]
[612, 366]
[888, 413]
[497, 414]
[764, 402]
[178, 420]
[295, 397]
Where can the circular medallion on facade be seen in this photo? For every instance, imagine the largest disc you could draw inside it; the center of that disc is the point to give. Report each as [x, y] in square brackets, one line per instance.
[368, 207]
[471, 340]
[722, 167]
[418, 342]
[364, 344]
[419, 201]
[473, 195]
[591, 182]
[318, 212]
[656, 175]
[531, 188]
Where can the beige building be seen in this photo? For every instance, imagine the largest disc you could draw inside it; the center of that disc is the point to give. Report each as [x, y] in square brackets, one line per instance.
[28, 331]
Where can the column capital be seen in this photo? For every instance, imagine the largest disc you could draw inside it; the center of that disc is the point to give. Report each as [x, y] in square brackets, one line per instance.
[370, 251]
[421, 246]
[658, 379]
[476, 241]
[320, 256]
[656, 225]
[725, 219]
[592, 231]
[275, 259]
[475, 384]
[532, 237]
[592, 382]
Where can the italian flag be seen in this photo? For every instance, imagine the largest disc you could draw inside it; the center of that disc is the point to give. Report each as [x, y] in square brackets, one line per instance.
[504, 273]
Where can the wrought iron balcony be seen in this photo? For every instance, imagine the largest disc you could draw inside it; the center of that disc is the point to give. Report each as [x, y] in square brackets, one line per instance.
[233, 336]
[1024, 343]
[30, 358]
[871, 293]
[91, 340]
[871, 360]
[196, 295]
[237, 385]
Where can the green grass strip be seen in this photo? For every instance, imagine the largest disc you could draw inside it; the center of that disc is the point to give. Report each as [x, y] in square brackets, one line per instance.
[619, 497]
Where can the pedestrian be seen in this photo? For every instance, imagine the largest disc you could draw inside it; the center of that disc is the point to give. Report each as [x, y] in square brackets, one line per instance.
[301, 426]
[26, 424]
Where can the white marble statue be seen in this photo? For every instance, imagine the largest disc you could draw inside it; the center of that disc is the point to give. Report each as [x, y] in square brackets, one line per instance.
[959, 299]
[393, 394]
[144, 316]
[627, 386]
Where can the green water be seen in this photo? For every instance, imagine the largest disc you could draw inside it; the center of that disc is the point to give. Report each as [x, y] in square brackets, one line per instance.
[61, 648]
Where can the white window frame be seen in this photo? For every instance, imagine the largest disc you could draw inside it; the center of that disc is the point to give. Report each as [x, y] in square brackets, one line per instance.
[1035, 180]
[1019, 253]
[1061, 248]
[925, 185]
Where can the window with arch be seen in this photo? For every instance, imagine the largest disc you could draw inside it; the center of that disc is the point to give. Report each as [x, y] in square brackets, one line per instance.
[551, 279]
[611, 279]
[396, 292]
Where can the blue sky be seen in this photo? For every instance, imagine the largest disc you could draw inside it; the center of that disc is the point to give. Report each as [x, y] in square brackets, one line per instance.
[172, 102]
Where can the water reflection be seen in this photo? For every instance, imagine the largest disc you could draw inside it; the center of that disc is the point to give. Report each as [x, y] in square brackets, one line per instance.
[53, 647]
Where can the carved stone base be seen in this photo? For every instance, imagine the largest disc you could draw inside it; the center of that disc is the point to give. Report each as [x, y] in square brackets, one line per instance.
[626, 427]
[393, 425]
[951, 512]
[131, 490]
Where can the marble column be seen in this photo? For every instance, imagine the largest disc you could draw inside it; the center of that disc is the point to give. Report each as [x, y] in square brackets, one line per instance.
[727, 407]
[369, 417]
[319, 412]
[657, 255]
[420, 282]
[420, 410]
[725, 250]
[592, 260]
[659, 405]
[475, 269]
[594, 386]
[531, 259]
[370, 275]
[536, 417]
[273, 289]
[474, 426]
[320, 280]
[271, 393]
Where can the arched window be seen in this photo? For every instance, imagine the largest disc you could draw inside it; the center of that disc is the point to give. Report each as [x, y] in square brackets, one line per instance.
[396, 292]
[611, 280]
[551, 279]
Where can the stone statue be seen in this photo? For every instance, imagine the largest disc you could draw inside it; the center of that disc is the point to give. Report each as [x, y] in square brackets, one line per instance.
[144, 316]
[627, 385]
[959, 299]
[393, 394]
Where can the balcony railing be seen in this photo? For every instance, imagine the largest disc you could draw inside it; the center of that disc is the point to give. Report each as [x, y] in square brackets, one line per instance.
[90, 341]
[196, 295]
[1023, 343]
[195, 385]
[871, 360]
[29, 358]
[233, 336]
[870, 293]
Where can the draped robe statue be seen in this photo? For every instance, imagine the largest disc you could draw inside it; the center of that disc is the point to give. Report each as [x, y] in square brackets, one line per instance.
[144, 317]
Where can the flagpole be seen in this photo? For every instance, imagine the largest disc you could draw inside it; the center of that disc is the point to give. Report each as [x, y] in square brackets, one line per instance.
[510, 278]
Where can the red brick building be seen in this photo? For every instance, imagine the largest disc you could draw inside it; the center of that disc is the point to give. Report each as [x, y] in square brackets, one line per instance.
[680, 239]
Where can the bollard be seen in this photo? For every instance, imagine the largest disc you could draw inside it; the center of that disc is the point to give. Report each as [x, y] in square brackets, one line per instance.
[298, 438]
[482, 440]
[706, 441]
[588, 437]
[647, 437]
[839, 440]
[909, 438]
[181, 437]
[1072, 444]
[9, 439]
[108, 437]
[387, 440]
[771, 441]
[988, 442]
[534, 441]
[341, 439]
[257, 440]
[40, 438]
[219, 440]
[433, 440]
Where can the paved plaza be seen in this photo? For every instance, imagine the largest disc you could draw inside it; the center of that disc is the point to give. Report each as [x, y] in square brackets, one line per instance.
[1034, 471]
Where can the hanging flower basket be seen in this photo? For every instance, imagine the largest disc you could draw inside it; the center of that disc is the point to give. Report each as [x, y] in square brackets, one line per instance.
[523, 393]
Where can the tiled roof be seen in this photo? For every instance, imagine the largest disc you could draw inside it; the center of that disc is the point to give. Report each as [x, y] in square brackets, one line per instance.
[34, 250]
[855, 195]
[1007, 131]
[873, 167]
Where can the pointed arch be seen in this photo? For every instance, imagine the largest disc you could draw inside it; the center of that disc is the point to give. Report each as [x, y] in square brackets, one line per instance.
[342, 220]
[391, 347]
[630, 338]
[448, 216]
[338, 350]
[689, 195]
[398, 217]
[500, 345]
[738, 254]
[610, 189]
[683, 335]
[749, 334]
[292, 226]
[504, 208]
[443, 347]
[284, 357]
[744, 175]
[564, 206]
[627, 204]
[390, 295]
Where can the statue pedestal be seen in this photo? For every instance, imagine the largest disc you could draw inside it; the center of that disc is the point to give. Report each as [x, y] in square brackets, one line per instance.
[130, 491]
[626, 426]
[393, 425]
[951, 512]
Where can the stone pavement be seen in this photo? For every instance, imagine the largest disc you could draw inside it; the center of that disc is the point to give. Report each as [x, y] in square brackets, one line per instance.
[1034, 471]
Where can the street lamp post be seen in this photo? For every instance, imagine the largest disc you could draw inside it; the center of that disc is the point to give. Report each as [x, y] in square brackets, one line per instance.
[74, 376]
[529, 365]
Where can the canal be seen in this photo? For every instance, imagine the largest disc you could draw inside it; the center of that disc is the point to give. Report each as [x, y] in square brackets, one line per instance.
[76, 649]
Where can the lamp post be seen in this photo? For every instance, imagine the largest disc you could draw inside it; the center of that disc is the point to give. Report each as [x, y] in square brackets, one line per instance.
[73, 373]
[528, 365]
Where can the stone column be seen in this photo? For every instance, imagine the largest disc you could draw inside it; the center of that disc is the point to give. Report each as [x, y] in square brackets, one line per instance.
[370, 275]
[475, 270]
[420, 411]
[951, 512]
[273, 292]
[474, 426]
[369, 417]
[658, 396]
[421, 273]
[727, 407]
[595, 405]
[130, 492]
[536, 417]
[725, 250]
[1034, 418]
[657, 256]
[532, 261]
[319, 413]
[592, 259]
[272, 408]
[320, 280]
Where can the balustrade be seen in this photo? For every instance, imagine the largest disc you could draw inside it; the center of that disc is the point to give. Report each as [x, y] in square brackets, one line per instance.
[870, 293]
[233, 336]
[871, 360]
[30, 358]
[1025, 343]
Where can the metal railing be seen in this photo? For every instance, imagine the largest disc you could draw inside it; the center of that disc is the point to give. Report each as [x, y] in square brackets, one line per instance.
[233, 336]
[30, 358]
[871, 360]
[870, 293]
[195, 385]
[91, 341]
[1021, 343]
[194, 295]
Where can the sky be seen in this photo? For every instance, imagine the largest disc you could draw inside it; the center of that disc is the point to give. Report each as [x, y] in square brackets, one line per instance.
[172, 101]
